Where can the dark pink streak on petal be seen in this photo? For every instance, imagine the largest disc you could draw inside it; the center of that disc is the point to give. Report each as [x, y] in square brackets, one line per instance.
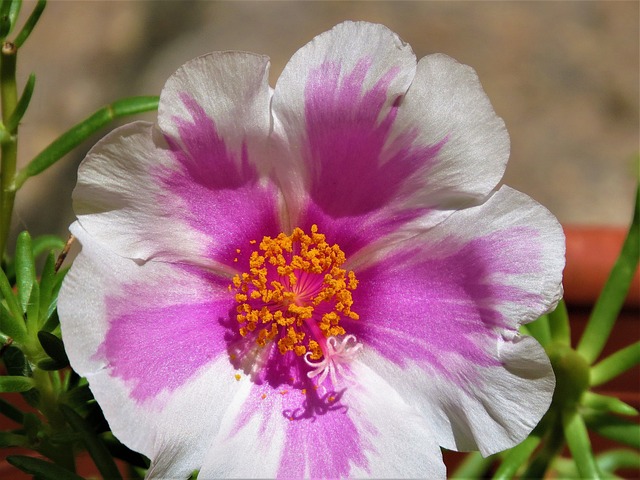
[220, 188]
[444, 309]
[319, 432]
[346, 137]
[353, 233]
[160, 348]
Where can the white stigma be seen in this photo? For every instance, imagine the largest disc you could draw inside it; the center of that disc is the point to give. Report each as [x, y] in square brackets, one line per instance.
[337, 352]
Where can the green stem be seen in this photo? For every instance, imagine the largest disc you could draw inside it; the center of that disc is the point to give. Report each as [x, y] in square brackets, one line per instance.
[559, 324]
[516, 457]
[540, 330]
[611, 299]
[474, 465]
[579, 444]
[83, 130]
[554, 441]
[615, 364]
[9, 148]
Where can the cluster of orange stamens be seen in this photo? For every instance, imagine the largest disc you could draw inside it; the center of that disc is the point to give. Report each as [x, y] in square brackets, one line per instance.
[290, 278]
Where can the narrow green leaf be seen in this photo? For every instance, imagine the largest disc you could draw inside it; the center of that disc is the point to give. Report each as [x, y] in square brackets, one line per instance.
[618, 459]
[516, 458]
[95, 446]
[614, 428]
[11, 412]
[608, 306]
[12, 302]
[12, 383]
[10, 439]
[79, 133]
[41, 468]
[14, 13]
[45, 243]
[11, 326]
[33, 308]
[54, 347]
[21, 107]
[559, 324]
[52, 322]
[575, 431]
[15, 362]
[30, 23]
[540, 330]
[47, 278]
[615, 364]
[78, 396]
[25, 269]
[473, 466]
[606, 403]
[5, 21]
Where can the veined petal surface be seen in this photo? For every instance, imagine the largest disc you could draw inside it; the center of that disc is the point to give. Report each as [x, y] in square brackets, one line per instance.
[351, 432]
[148, 194]
[153, 350]
[442, 314]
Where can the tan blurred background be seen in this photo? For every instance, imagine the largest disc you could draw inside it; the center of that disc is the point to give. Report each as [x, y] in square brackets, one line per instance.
[563, 75]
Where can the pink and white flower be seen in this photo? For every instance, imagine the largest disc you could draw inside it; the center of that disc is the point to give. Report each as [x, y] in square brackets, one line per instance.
[317, 280]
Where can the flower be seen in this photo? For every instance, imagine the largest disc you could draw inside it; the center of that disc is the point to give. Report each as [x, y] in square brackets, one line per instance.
[317, 280]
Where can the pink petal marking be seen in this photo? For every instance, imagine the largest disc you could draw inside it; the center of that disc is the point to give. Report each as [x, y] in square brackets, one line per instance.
[347, 132]
[453, 314]
[176, 339]
[222, 193]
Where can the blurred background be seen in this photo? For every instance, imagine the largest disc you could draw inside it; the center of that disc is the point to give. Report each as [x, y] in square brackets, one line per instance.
[563, 75]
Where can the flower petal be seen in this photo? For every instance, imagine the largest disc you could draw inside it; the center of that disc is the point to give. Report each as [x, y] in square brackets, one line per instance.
[202, 179]
[150, 340]
[489, 407]
[447, 106]
[333, 106]
[363, 430]
[444, 300]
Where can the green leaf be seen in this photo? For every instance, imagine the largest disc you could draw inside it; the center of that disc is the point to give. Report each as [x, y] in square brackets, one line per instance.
[615, 364]
[540, 330]
[25, 269]
[12, 302]
[11, 412]
[618, 459]
[605, 403]
[47, 278]
[79, 396]
[30, 23]
[54, 347]
[21, 107]
[96, 448]
[79, 133]
[559, 324]
[41, 468]
[614, 428]
[608, 306]
[33, 308]
[12, 383]
[15, 362]
[516, 458]
[575, 431]
[11, 326]
[14, 12]
[473, 466]
[45, 243]
[10, 439]
[5, 21]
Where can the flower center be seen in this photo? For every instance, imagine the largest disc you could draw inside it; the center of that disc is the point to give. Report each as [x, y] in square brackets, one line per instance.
[295, 293]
